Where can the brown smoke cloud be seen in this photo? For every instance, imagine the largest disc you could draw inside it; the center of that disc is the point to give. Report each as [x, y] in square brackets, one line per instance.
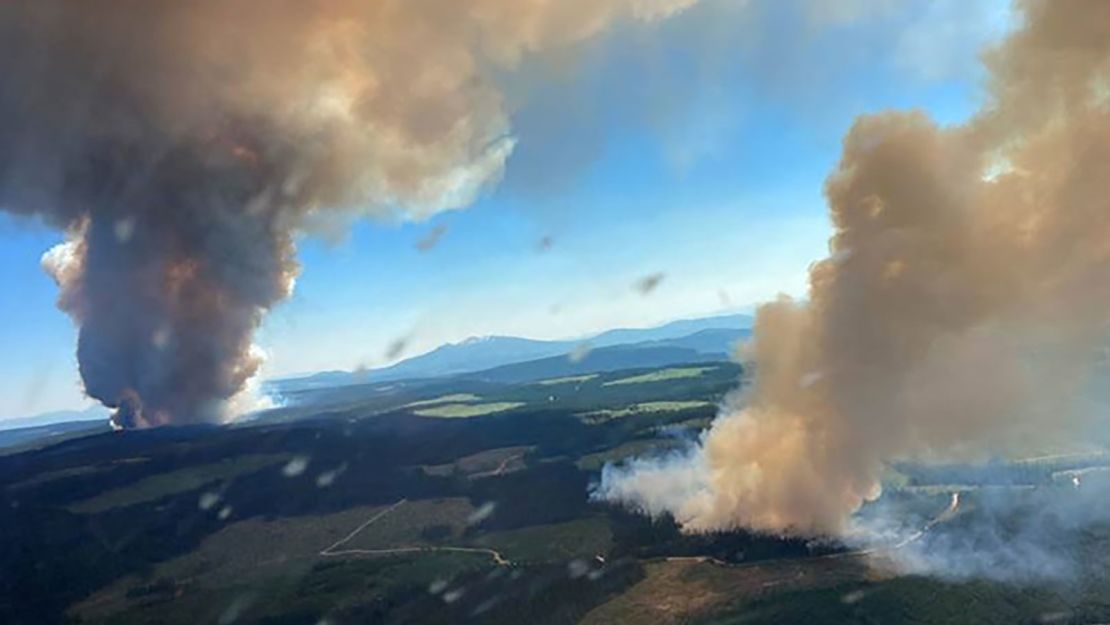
[183, 144]
[959, 312]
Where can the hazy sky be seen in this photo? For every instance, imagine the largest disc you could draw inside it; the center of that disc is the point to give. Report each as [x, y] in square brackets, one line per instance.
[696, 147]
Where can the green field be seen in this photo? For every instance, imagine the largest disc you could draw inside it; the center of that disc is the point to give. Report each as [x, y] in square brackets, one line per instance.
[444, 399]
[568, 380]
[600, 416]
[663, 375]
[462, 411]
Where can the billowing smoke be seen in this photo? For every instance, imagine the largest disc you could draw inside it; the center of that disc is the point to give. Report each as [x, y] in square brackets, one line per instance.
[958, 314]
[183, 144]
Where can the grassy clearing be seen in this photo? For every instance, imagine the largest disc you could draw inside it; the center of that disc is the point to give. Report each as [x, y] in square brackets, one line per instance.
[455, 398]
[188, 478]
[462, 411]
[601, 416]
[491, 461]
[675, 373]
[568, 380]
[414, 524]
[581, 538]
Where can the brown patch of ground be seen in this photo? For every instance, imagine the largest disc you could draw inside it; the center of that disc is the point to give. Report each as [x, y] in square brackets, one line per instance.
[678, 590]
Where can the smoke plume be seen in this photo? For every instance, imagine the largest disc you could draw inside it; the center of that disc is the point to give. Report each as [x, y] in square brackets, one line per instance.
[958, 313]
[183, 144]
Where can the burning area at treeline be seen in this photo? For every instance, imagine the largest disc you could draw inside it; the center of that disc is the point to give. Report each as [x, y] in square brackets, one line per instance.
[961, 313]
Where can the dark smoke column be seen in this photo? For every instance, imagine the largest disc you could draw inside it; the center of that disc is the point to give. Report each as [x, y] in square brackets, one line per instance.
[182, 144]
[169, 280]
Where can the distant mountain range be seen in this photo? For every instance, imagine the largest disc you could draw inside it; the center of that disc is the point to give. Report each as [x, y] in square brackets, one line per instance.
[509, 359]
[92, 413]
[707, 345]
[501, 358]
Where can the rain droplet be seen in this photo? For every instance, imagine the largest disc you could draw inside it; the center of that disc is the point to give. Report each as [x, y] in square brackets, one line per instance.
[648, 283]
[726, 299]
[295, 467]
[1055, 617]
[161, 337]
[485, 606]
[811, 378]
[577, 568]
[580, 351]
[431, 239]
[853, 597]
[483, 512]
[124, 229]
[396, 348]
[327, 478]
[236, 609]
[208, 500]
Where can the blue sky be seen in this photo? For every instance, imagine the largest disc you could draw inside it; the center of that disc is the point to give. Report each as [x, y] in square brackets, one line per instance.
[696, 148]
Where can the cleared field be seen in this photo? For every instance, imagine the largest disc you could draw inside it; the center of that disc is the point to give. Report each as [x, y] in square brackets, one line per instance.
[663, 375]
[414, 524]
[684, 590]
[274, 563]
[568, 380]
[912, 600]
[483, 464]
[247, 551]
[581, 538]
[462, 411]
[454, 398]
[158, 486]
[601, 416]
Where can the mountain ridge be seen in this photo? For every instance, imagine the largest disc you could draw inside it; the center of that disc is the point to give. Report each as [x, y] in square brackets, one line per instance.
[475, 354]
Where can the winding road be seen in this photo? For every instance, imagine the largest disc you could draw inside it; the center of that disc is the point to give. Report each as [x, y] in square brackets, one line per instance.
[334, 550]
